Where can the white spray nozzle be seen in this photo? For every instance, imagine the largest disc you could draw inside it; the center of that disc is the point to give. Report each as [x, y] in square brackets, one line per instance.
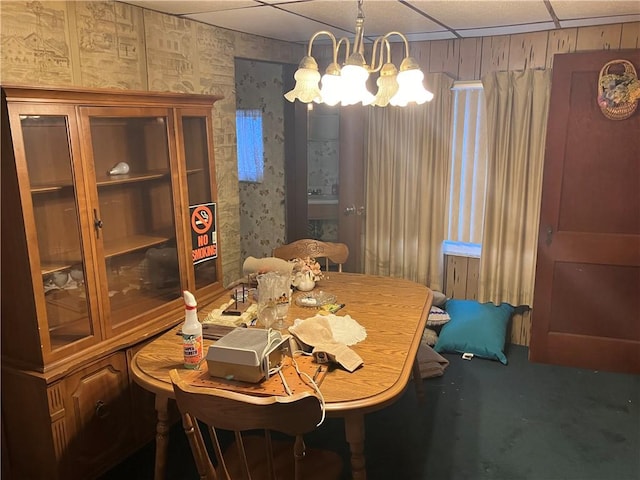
[189, 299]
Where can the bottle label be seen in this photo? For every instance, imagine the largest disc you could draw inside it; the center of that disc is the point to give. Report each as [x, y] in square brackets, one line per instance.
[192, 350]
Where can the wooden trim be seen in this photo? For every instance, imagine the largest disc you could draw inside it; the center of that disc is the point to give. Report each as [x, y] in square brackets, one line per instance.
[95, 96]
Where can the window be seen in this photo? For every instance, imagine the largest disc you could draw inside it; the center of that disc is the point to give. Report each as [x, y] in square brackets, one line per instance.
[250, 145]
[467, 184]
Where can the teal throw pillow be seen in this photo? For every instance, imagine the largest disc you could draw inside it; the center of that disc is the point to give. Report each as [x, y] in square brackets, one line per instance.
[478, 328]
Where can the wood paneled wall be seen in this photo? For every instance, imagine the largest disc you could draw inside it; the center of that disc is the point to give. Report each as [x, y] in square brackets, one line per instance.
[461, 281]
[461, 277]
[472, 58]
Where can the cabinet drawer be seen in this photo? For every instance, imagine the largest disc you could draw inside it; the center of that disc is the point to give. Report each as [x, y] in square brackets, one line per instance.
[97, 414]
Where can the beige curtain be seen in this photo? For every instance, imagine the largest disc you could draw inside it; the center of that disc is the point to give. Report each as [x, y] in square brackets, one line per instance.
[517, 107]
[407, 154]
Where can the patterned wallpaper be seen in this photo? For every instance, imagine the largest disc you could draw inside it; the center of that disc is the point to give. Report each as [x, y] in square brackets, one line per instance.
[262, 205]
[108, 44]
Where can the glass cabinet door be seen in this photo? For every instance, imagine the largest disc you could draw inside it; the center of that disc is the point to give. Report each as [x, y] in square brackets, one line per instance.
[134, 215]
[200, 173]
[56, 221]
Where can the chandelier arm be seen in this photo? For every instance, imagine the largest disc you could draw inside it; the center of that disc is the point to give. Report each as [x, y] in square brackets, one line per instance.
[317, 34]
[347, 44]
[380, 42]
[404, 39]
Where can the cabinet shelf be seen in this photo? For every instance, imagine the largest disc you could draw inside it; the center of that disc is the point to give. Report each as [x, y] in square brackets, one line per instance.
[130, 178]
[39, 189]
[112, 249]
[109, 181]
[132, 243]
[64, 335]
[56, 266]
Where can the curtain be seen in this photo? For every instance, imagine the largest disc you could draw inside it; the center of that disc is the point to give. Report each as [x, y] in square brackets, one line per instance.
[407, 154]
[517, 107]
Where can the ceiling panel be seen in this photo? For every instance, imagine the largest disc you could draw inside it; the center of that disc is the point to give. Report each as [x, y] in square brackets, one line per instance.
[184, 7]
[377, 16]
[470, 14]
[574, 9]
[297, 20]
[266, 21]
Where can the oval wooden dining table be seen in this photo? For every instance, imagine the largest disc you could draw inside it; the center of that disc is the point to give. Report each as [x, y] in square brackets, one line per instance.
[394, 313]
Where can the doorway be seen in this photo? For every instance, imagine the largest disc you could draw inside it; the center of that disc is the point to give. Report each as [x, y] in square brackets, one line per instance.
[324, 158]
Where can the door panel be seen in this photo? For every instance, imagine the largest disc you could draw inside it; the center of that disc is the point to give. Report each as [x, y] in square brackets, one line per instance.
[351, 203]
[134, 223]
[45, 138]
[295, 127]
[586, 310]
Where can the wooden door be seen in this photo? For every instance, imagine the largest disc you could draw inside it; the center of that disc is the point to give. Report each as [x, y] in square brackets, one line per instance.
[586, 309]
[351, 210]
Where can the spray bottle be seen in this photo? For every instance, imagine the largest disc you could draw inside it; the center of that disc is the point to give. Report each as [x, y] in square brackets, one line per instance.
[191, 333]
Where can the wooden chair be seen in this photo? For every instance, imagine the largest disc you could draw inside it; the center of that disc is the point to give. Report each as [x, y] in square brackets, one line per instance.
[337, 253]
[252, 456]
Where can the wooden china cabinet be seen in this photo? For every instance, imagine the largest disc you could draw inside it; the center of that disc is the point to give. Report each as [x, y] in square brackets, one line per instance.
[96, 250]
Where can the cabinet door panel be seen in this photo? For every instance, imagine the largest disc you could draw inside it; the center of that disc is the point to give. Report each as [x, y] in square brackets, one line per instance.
[197, 150]
[43, 137]
[135, 221]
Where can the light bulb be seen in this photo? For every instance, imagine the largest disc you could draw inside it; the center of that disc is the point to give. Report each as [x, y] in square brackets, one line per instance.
[354, 85]
[331, 91]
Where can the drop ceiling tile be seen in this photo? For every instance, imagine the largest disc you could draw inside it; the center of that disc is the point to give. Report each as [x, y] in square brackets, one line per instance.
[576, 9]
[266, 21]
[479, 14]
[183, 7]
[380, 16]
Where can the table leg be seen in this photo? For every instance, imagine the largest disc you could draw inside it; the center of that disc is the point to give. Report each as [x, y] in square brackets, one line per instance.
[417, 380]
[354, 431]
[162, 436]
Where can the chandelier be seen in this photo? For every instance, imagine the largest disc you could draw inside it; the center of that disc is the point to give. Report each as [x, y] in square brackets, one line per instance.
[347, 85]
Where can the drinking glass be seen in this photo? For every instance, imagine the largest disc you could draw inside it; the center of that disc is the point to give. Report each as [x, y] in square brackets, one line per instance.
[274, 298]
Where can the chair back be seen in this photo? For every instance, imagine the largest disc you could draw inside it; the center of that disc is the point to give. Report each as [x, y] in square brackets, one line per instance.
[336, 253]
[292, 415]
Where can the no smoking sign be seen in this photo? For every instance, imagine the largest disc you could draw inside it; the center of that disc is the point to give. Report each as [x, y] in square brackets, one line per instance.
[204, 245]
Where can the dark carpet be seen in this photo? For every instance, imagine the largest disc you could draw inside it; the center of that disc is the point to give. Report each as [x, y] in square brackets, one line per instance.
[481, 420]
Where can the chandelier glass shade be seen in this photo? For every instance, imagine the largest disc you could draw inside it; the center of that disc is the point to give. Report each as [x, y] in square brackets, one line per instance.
[347, 85]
